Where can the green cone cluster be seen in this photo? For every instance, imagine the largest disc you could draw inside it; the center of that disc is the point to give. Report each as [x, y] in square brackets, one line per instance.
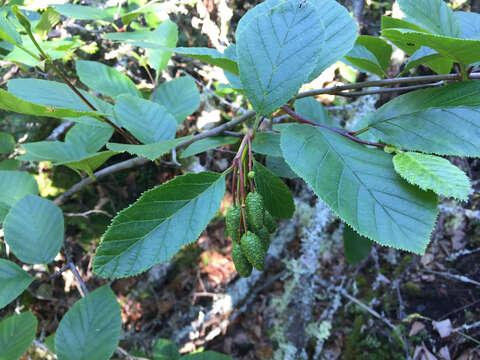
[249, 249]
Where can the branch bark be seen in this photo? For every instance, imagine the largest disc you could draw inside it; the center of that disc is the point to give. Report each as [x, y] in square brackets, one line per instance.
[127, 164]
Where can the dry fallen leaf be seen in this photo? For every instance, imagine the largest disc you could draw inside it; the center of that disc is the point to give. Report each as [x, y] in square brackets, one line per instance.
[417, 326]
[444, 327]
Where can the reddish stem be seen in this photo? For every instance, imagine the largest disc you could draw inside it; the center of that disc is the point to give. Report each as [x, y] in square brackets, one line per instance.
[250, 166]
[234, 184]
[304, 120]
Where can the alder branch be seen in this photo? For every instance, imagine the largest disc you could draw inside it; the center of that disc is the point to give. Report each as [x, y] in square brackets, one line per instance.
[386, 82]
[127, 164]
[388, 90]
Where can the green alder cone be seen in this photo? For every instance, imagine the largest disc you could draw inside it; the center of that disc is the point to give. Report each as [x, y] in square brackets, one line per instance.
[269, 222]
[232, 222]
[264, 236]
[255, 211]
[252, 248]
[242, 265]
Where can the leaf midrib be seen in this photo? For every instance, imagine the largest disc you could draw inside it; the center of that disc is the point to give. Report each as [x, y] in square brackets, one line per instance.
[114, 257]
[367, 188]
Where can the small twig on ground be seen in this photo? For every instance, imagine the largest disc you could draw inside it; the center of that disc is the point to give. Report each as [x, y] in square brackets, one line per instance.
[467, 327]
[89, 212]
[83, 288]
[59, 272]
[345, 294]
[42, 346]
[461, 278]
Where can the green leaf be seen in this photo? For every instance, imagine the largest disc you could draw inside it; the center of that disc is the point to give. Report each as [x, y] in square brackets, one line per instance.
[9, 164]
[50, 342]
[159, 44]
[166, 34]
[341, 31]
[156, 122]
[159, 224]
[180, 96]
[379, 48]
[208, 144]
[207, 355]
[278, 166]
[7, 143]
[393, 23]
[234, 80]
[89, 163]
[470, 23]
[47, 21]
[145, 9]
[267, 143]
[434, 173]
[150, 151]
[8, 31]
[438, 63]
[16, 335]
[356, 247]
[360, 185]
[164, 349]
[65, 153]
[210, 56]
[85, 12]
[15, 185]
[34, 230]
[88, 138]
[459, 50]
[21, 18]
[275, 52]
[91, 328]
[13, 281]
[12, 103]
[440, 120]
[364, 60]
[105, 79]
[433, 15]
[58, 101]
[276, 195]
[314, 110]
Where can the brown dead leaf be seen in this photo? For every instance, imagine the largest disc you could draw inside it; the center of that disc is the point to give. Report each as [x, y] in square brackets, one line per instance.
[265, 352]
[217, 267]
[422, 353]
[417, 326]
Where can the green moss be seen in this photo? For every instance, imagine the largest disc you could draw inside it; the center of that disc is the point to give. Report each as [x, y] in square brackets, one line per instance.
[352, 350]
[402, 266]
[411, 289]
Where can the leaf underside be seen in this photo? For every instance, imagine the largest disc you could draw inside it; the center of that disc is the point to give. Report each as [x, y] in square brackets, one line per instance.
[361, 186]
